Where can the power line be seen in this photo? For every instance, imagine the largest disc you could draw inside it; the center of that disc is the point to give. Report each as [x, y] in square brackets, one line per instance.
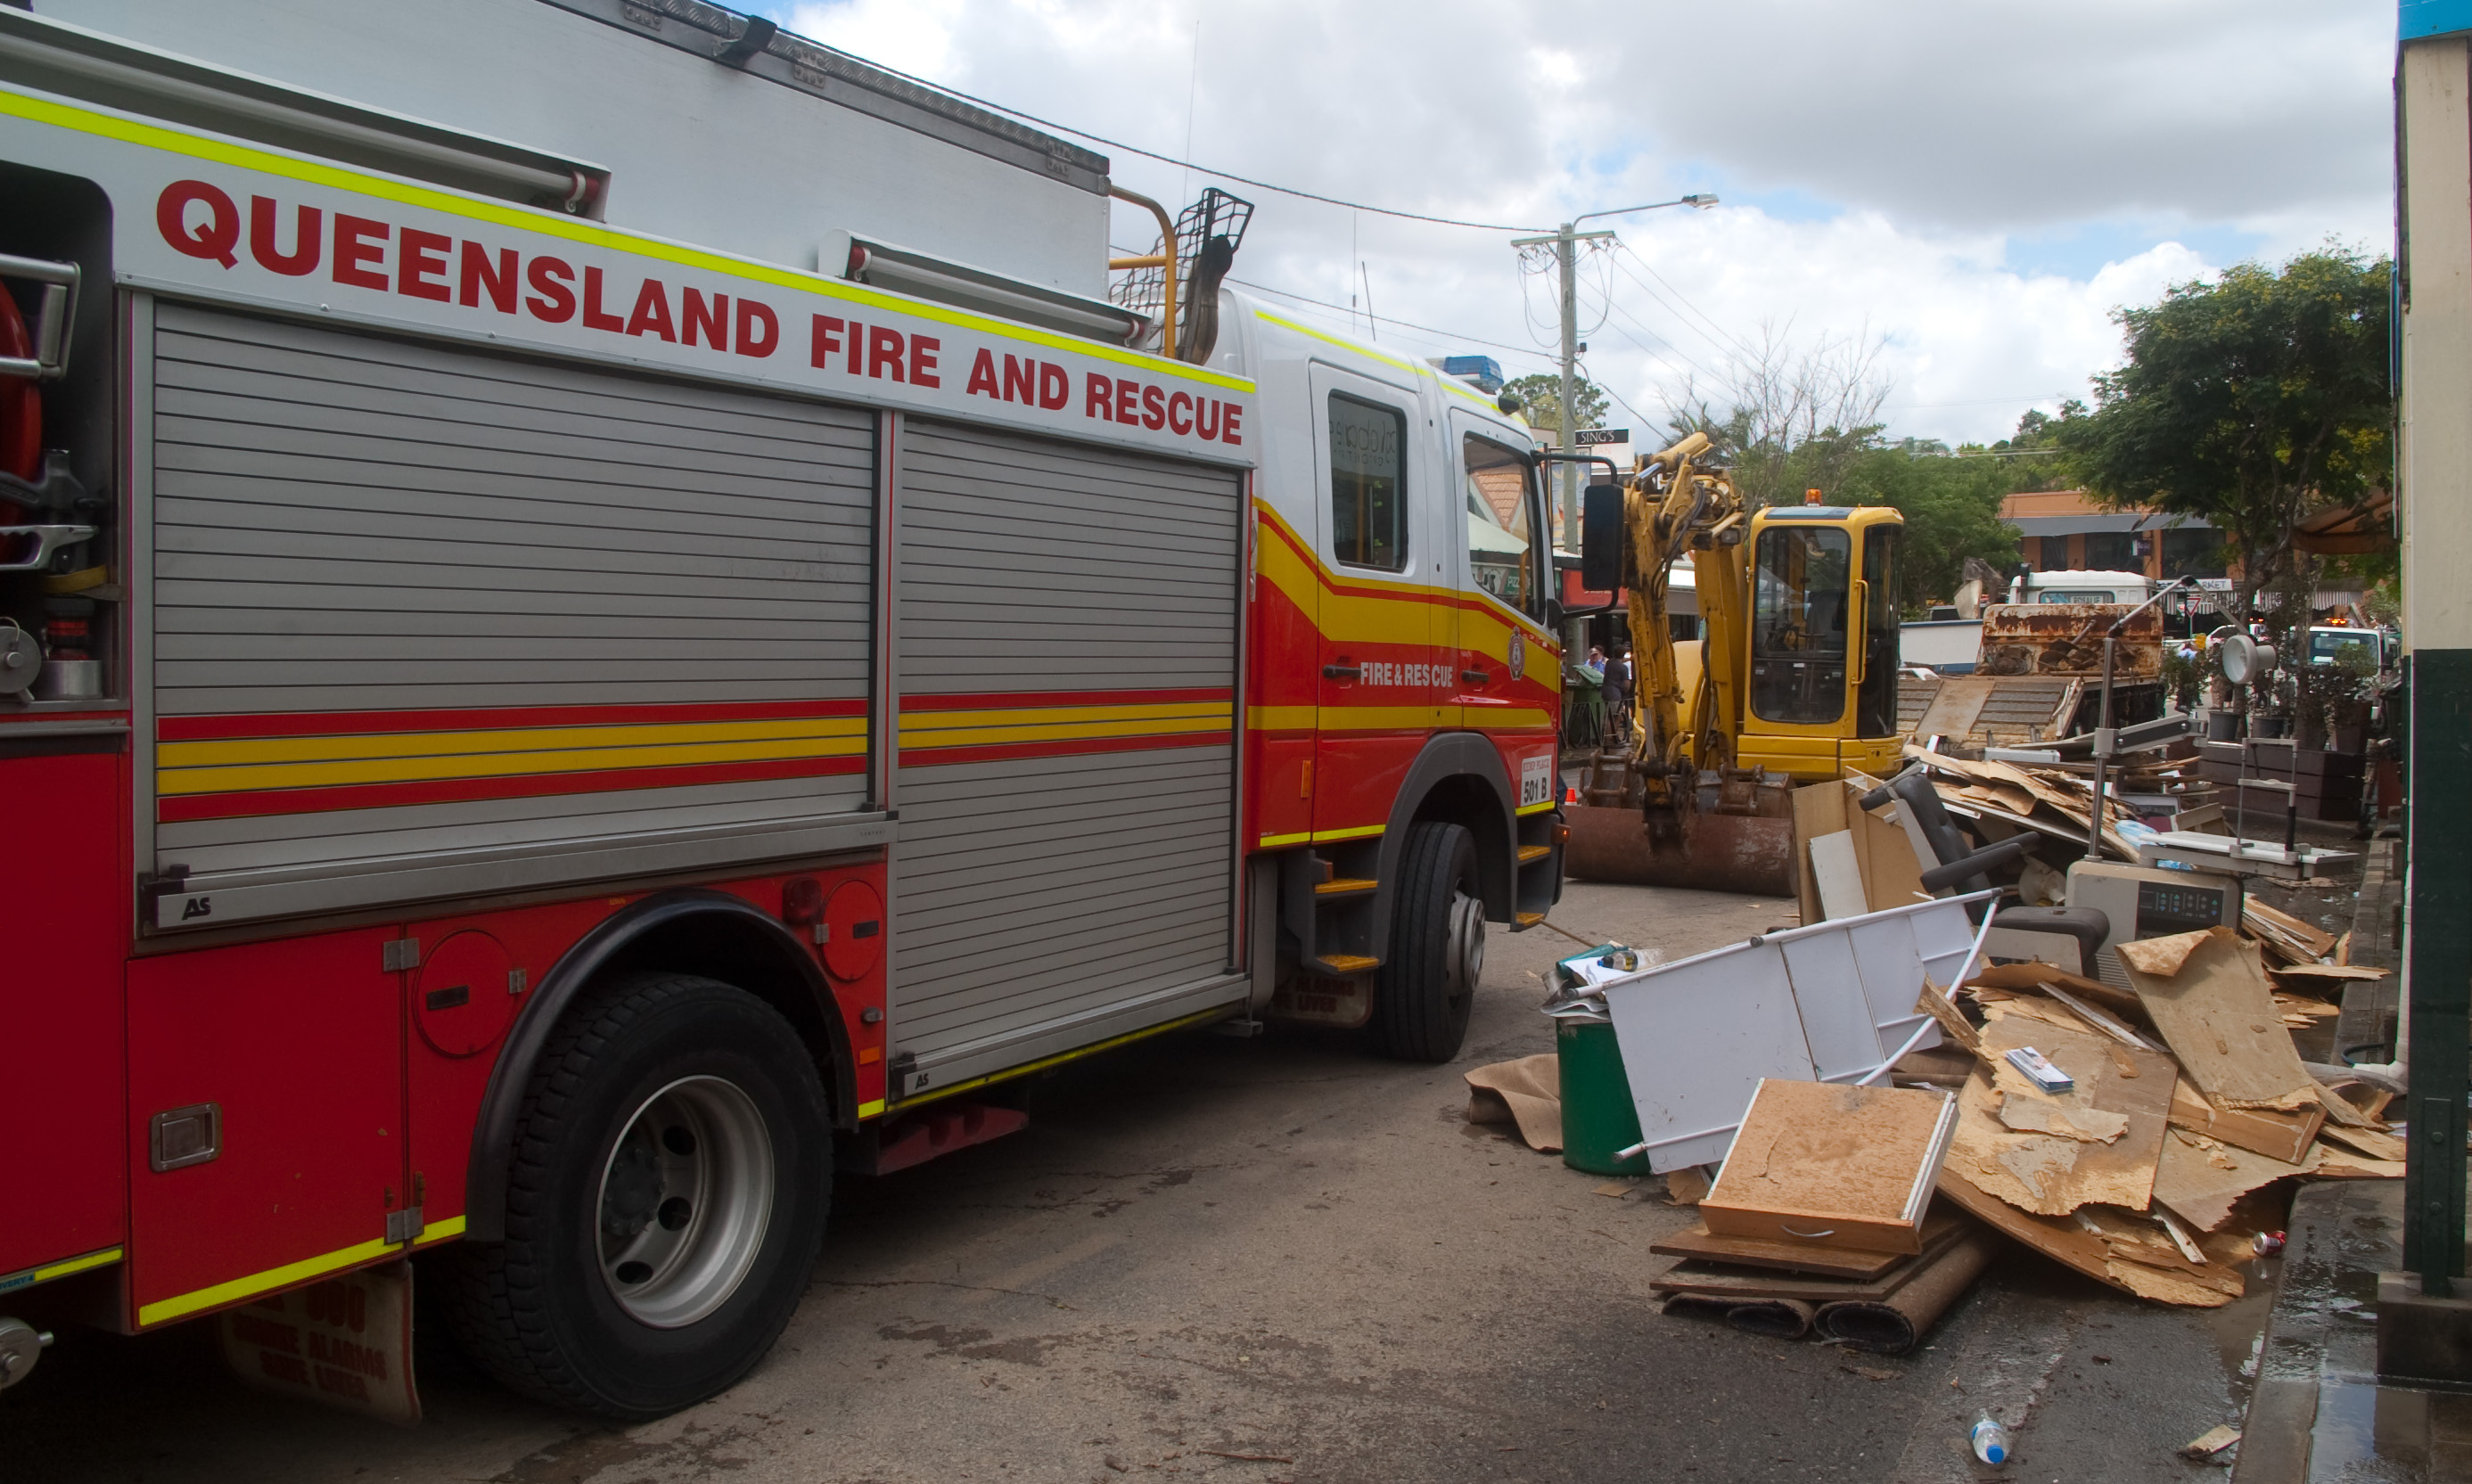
[1727, 345]
[1453, 335]
[1204, 169]
[1652, 271]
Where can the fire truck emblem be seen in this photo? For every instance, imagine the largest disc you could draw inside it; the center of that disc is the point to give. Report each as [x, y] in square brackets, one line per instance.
[1518, 654]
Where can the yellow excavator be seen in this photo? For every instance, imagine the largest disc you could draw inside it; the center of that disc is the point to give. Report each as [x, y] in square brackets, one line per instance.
[1795, 682]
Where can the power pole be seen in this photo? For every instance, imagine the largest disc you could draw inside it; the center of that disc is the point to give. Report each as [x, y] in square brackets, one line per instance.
[1565, 243]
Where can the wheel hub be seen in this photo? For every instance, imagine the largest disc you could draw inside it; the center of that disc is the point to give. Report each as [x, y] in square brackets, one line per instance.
[686, 1196]
[1467, 945]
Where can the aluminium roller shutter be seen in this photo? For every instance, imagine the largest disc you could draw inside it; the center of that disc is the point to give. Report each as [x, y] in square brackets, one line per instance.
[1066, 651]
[431, 620]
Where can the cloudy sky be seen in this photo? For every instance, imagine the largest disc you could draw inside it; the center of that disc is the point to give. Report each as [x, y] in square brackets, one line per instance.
[1973, 186]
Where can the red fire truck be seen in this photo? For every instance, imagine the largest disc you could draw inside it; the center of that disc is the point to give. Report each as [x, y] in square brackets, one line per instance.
[601, 616]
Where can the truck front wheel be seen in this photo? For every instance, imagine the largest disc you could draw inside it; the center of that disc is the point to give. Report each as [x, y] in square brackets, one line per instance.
[1426, 988]
[672, 1169]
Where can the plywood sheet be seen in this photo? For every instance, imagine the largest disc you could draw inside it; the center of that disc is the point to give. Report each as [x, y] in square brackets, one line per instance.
[2049, 1154]
[2208, 996]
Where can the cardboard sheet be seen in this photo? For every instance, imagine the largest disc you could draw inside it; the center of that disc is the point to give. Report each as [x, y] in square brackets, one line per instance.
[1527, 1093]
[2208, 996]
[2020, 1153]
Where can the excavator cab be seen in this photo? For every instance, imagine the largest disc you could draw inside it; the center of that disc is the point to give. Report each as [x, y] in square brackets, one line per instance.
[1823, 629]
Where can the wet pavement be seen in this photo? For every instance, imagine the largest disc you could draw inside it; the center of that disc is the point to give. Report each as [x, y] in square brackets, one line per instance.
[2320, 1414]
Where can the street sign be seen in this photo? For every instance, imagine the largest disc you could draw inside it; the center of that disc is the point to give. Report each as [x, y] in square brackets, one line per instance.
[1590, 437]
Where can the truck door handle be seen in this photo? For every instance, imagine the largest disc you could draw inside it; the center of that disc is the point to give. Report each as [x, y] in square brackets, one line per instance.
[1341, 673]
[1474, 677]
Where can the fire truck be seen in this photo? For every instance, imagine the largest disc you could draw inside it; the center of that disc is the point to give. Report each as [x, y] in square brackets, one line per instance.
[602, 615]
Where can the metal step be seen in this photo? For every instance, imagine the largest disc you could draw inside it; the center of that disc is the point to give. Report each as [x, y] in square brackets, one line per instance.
[1345, 886]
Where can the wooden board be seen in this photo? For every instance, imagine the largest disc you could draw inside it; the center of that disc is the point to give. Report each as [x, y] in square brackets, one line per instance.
[1834, 1165]
[1955, 708]
[2201, 1179]
[2117, 1250]
[2279, 1135]
[2052, 1164]
[2208, 996]
[1942, 1225]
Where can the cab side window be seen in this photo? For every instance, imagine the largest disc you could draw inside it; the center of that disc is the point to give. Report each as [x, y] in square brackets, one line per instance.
[1501, 544]
[1368, 493]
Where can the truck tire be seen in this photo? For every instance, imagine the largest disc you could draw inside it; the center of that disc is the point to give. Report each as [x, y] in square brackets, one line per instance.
[1425, 988]
[672, 1169]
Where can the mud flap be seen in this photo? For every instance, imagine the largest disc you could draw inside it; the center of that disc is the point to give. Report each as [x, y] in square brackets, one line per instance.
[1310, 999]
[1717, 853]
[345, 1343]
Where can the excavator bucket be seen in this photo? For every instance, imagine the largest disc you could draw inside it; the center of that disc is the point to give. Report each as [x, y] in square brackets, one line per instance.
[1737, 834]
[1740, 853]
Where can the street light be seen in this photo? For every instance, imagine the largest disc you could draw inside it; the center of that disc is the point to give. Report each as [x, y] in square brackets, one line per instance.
[1565, 250]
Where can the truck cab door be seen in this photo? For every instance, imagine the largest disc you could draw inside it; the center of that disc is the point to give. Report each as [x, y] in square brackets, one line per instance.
[1382, 633]
[1507, 666]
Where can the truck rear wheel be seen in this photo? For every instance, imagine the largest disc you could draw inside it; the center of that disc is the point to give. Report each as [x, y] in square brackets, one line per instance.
[1425, 989]
[672, 1169]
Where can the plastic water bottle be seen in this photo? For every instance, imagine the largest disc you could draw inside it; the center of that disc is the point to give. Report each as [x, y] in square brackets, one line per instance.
[1988, 1440]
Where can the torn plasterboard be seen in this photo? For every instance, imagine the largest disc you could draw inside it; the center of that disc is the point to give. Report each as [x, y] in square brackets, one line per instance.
[1829, 1003]
[1837, 876]
[2207, 995]
[2050, 1154]
[1834, 1166]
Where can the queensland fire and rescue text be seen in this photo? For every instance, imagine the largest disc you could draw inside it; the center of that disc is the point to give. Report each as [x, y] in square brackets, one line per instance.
[202, 221]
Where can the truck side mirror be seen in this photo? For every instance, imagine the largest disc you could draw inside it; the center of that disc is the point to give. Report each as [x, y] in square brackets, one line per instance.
[1601, 537]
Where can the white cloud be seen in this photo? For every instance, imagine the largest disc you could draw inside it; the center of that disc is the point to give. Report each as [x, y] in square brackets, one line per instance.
[1978, 184]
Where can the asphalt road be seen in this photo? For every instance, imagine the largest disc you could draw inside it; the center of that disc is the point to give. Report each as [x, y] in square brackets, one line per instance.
[1247, 1260]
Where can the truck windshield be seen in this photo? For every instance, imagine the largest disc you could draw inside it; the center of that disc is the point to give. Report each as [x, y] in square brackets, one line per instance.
[1801, 587]
[2325, 646]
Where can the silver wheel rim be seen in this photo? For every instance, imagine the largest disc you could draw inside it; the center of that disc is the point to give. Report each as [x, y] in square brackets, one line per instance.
[685, 1197]
[1467, 945]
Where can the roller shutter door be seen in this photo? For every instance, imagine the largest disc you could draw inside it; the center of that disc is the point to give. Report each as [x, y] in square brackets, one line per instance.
[1067, 632]
[428, 619]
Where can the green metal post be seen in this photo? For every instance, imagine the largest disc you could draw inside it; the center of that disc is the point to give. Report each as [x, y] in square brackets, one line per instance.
[2438, 847]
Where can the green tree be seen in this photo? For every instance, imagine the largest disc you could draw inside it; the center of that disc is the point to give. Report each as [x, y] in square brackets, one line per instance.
[1952, 510]
[1540, 402]
[2251, 402]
